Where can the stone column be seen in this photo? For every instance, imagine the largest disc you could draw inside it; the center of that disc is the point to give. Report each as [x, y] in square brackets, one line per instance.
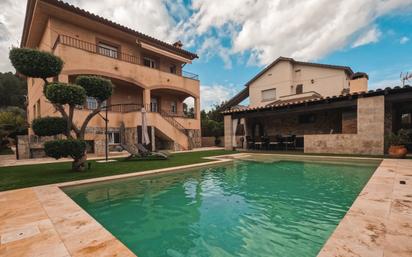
[228, 132]
[197, 108]
[146, 99]
[152, 139]
[371, 124]
[243, 121]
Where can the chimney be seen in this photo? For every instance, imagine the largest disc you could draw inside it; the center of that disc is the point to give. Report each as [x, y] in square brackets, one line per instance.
[178, 44]
[358, 82]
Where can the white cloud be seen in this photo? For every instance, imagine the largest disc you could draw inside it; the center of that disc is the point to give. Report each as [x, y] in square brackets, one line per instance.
[11, 25]
[403, 40]
[215, 94]
[306, 30]
[260, 30]
[371, 36]
[152, 17]
[148, 16]
[210, 47]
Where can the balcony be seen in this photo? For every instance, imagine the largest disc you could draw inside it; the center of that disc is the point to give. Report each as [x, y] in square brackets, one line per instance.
[109, 53]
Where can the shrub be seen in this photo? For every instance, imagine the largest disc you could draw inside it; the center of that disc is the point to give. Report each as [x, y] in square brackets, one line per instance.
[97, 87]
[399, 138]
[57, 149]
[49, 126]
[62, 93]
[35, 63]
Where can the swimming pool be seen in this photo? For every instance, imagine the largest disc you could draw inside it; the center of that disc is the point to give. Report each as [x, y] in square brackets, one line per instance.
[248, 208]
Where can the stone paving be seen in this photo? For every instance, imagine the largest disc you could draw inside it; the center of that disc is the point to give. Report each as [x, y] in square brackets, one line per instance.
[379, 223]
[43, 221]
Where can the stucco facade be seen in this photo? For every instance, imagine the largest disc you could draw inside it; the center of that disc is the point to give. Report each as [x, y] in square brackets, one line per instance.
[286, 79]
[147, 73]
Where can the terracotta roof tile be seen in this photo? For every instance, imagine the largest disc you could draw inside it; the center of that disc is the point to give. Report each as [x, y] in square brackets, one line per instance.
[82, 12]
[387, 90]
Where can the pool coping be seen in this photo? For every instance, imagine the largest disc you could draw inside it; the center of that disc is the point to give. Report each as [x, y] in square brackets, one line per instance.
[44, 221]
[71, 231]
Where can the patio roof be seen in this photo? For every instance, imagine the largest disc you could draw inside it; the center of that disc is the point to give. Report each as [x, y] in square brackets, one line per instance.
[396, 93]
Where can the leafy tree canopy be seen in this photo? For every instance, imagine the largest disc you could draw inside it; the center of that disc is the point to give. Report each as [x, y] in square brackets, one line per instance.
[73, 148]
[34, 63]
[13, 90]
[212, 122]
[49, 126]
[12, 122]
[62, 93]
[97, 87]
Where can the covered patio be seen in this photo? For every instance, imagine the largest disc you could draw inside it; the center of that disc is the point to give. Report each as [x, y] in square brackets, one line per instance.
[347, 124]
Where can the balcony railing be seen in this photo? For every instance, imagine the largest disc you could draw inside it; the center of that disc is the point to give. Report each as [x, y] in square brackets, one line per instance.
[101, 50]
[190, 75]
[177, 114]
[124, 108]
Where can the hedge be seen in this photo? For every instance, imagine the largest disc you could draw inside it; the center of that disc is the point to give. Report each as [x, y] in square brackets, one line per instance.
[62, 93]
[73, 148]
[34, 63]
[49, 126]
[97, 87]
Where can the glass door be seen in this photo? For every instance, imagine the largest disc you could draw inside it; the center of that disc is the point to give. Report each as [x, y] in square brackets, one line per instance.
[153, 105]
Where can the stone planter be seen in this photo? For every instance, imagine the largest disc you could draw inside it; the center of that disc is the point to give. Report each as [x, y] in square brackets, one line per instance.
[397, 151]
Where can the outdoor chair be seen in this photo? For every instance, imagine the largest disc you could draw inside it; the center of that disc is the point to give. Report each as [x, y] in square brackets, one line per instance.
[259, 143]
[289, 142]
[275, 142]
[250, 143]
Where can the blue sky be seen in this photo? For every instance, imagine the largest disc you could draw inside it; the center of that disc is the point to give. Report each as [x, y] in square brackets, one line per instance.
[383, 60]
[236, 39]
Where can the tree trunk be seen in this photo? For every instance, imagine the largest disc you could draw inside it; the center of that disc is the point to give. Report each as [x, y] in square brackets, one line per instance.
[79, 164]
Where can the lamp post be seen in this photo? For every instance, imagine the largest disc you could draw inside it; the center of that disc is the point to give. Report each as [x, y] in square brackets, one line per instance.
[106, 120]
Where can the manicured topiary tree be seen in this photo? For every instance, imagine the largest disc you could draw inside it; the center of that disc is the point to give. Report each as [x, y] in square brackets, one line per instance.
[64, 97]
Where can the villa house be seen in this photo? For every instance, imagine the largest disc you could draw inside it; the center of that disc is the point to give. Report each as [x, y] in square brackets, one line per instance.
[145, 71]
[317, 108]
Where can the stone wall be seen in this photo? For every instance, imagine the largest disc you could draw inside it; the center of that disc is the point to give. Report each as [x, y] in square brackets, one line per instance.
[210, 141]
[228, 132]
[369, 139]
[196, 137]
[23, 147]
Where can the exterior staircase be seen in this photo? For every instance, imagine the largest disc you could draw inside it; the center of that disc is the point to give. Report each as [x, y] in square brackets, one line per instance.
[172, 121]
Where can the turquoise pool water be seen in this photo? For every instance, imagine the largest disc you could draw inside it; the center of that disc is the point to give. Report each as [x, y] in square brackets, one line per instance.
[285, 208]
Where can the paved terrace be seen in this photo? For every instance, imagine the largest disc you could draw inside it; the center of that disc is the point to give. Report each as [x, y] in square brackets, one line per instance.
[379, 223]
[43, 221]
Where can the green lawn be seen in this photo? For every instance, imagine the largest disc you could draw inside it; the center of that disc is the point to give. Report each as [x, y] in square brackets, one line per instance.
[42, 174]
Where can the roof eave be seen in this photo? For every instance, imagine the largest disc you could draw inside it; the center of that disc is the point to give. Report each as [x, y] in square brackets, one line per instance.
[76, 10]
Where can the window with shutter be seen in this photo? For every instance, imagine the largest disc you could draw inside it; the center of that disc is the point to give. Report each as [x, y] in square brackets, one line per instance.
[269, 94]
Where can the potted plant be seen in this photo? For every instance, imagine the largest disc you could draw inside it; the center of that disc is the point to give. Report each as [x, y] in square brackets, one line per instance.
[397, 143]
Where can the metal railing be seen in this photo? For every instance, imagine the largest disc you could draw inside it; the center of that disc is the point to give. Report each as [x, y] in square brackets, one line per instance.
[93, 48]
[178, 114]
[124, 108]
[173, 122]
[190, 75]
[104, 51]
